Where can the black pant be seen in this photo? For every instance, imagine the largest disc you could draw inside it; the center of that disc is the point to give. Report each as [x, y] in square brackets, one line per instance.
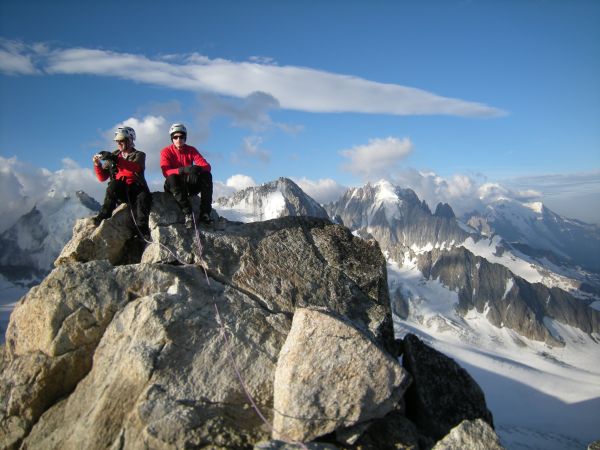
[181, 189]
[138, 197]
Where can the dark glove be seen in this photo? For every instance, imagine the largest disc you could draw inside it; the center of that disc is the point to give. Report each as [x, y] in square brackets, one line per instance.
[192, 173]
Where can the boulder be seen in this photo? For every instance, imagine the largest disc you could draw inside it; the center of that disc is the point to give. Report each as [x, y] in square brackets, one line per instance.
[107, 241]
[329, 375]
[472, 434]
[442, 394]
[393, 432]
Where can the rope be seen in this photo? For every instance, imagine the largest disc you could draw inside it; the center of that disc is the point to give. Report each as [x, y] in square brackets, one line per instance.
[160, 244]
[223, 332]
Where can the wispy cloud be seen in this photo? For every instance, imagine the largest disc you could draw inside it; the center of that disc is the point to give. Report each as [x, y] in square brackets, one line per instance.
[377, 159]
[251, 148]
[292, 87]
[17, 58]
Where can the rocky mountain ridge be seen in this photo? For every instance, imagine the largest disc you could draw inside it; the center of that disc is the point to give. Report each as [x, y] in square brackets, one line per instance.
[396, 218]
[278, 198]
[534, 228]
[29, 247]
[145, 354]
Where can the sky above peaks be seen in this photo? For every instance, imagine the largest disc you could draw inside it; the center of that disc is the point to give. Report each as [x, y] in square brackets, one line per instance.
[446, 97]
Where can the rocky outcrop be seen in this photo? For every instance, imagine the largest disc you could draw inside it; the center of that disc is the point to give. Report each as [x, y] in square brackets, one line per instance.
[290, 316]
[472, 434]
[442, 394]
[107, 241]
[507, 299]
[133, 354]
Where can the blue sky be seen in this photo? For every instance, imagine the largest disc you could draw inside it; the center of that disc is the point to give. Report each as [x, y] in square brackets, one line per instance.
[446, 97]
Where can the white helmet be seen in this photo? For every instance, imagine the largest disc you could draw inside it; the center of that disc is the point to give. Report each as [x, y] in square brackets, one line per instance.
[177, 127]
[130, 130]
[125, 133]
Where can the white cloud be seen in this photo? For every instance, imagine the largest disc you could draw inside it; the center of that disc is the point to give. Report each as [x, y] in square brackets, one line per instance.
[239, 182]
[574, 195]
[378, 158]
[323, 191]
[232, 185]
[17, 58]
[463, 192]
[296, 88]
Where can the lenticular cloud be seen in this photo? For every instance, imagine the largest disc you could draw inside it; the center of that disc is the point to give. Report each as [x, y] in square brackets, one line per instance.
[293, 87]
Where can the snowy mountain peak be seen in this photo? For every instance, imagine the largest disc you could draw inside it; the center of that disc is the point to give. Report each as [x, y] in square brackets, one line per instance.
[29, 247]
[271, 200]
[537, 227]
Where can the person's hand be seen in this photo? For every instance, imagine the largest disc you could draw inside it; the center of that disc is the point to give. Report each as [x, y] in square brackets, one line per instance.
[192, 173]
[97, 160]
[194, 176]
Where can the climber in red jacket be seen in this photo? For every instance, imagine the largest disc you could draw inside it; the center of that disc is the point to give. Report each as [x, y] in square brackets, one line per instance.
[187, 173]
[125, 168]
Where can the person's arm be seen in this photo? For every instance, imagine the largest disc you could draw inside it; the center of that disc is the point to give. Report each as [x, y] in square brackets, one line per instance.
[101, 173]
[201, 162]
[167, 165]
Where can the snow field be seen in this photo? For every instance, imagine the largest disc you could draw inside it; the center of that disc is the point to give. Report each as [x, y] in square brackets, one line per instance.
[540, 396]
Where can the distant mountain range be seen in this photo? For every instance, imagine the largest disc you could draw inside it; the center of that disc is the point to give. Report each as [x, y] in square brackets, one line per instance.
[444, 249]
[534, 229]
[30, 246]
[520, 263]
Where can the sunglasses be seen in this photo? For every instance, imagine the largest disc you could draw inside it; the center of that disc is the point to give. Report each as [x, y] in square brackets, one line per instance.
[178, 136]
[120, 142]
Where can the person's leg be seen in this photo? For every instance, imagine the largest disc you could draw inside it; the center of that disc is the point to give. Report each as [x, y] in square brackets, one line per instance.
[113, 193]
[141, 200]
[206, 192]
[175, 185]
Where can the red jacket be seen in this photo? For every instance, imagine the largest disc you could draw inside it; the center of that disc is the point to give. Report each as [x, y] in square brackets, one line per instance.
[172, 159]
[129, 169]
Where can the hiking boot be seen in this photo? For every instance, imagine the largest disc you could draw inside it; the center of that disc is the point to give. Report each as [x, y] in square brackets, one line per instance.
[189, 221]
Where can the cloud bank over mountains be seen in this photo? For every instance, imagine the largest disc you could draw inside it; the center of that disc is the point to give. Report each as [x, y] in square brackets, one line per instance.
[23, 185]
[291, 87]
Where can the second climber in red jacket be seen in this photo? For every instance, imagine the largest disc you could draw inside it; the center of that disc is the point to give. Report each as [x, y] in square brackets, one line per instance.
[125, 168]
[187, 173]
